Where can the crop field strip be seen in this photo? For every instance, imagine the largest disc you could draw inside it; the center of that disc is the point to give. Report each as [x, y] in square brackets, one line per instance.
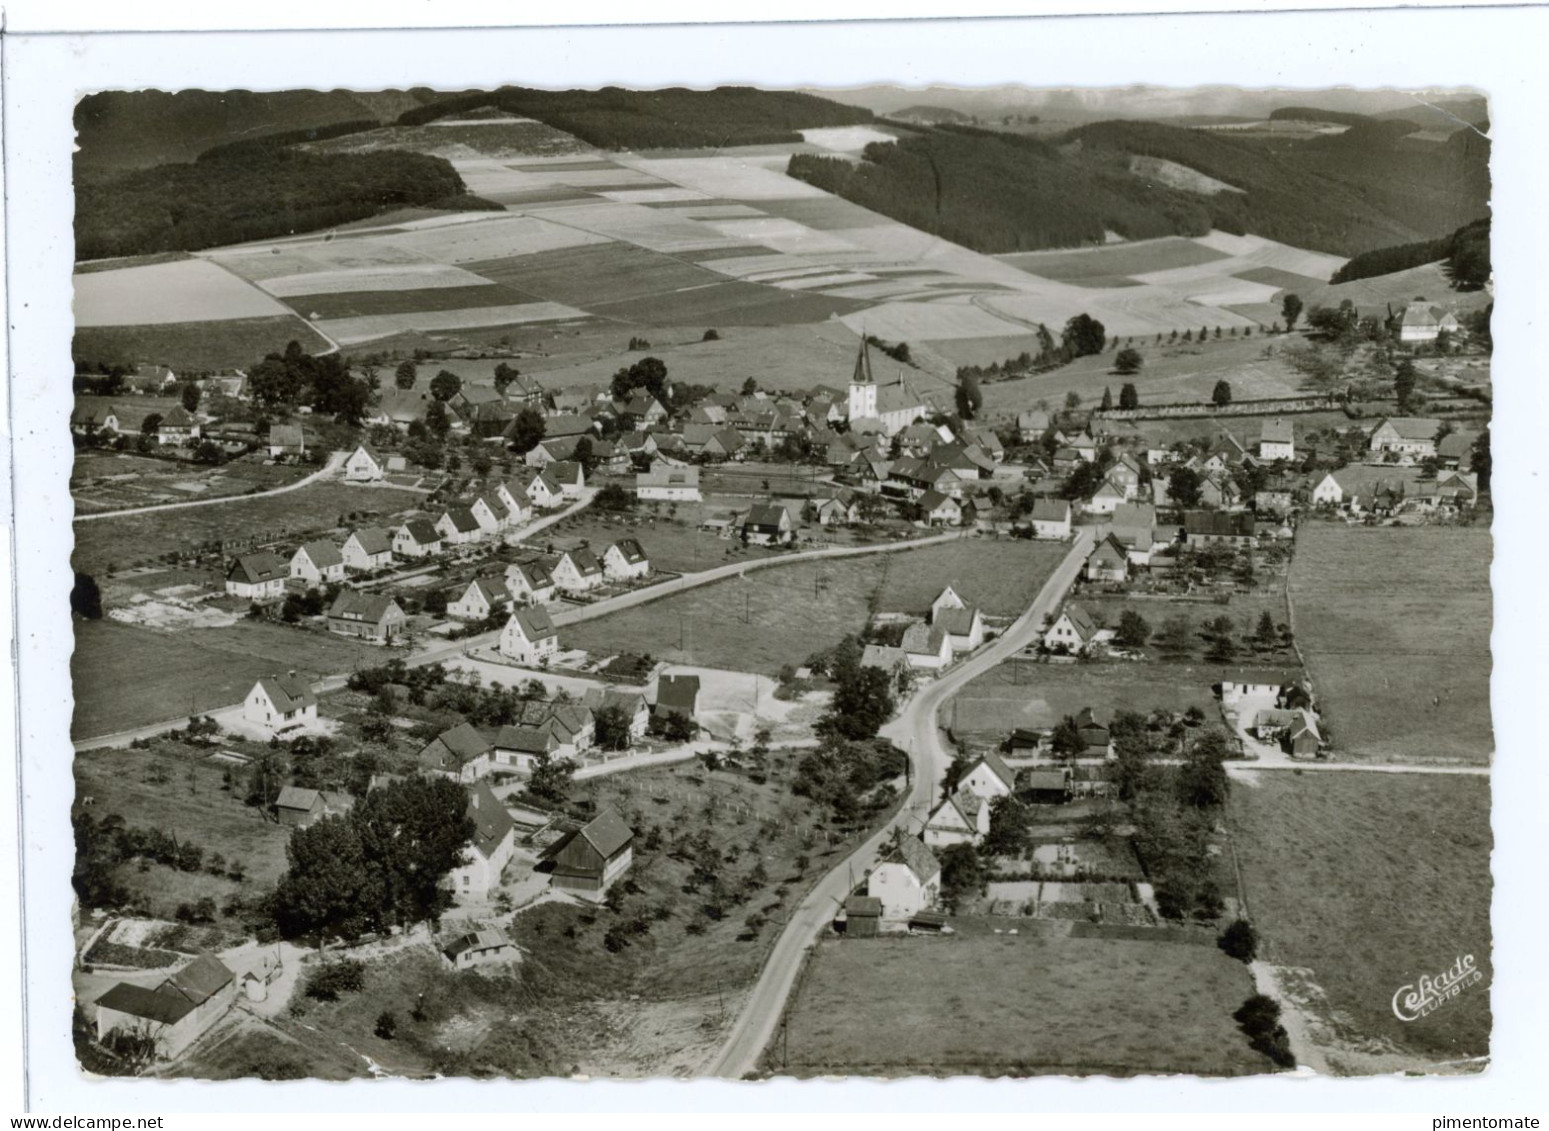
[195, 345]
[366, 328]
[362, 304]
[184, 290]
[746, 304]
[596, 273]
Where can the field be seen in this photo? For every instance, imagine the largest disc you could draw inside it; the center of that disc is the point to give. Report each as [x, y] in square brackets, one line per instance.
[195, 345]
[1114, 259]
[102, 482]
[1001, 577]
[596, 273]
[672, 548]
[367, 328]
[1394, 623]
[1244, 609]
[983, 1004]
[1363, 912]
[119, 542]
[126, 677]
[185, 290]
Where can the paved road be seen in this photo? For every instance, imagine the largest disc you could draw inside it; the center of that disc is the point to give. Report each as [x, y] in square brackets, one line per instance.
[915, 730]
[335, 461]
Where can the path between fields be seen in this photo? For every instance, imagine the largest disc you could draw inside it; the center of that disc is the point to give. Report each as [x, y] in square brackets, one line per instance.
[226, 716]
[335, 461]
[914, 729]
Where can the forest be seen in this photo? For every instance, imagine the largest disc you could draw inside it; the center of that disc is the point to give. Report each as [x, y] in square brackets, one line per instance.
[251, 194]
[1466, 252]
[613, 118]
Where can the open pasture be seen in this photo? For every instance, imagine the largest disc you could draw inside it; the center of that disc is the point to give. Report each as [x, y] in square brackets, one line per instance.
[185, 290]
[195, 345]
[931, 321]
[825, 213]
[1001, 577]
[732, 177]
[1113, 259]
[658, 229]
[370, 327]
[1374, 295]
[732, 303]
[1394, 622]
[783, 235]
[1364, 912]
[1033, 1003]
[329, 308]
[489, 239]
[595, 273]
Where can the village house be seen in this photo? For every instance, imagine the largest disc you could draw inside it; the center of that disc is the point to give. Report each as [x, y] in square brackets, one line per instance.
[521, 748]
[768, 524]
[287, 440]
[963, 818]
[484, 946]
[840, 509]
[571, 725]
[489, 512]
[1277, 440]
[989, 777]
[280, 703]
[1133, 526]
[893, 661]
[1108, 496]
[177, 427]
[1256, 685]
[460, 754]
[667, 484]
[677, 696]
[1455, 450]
[296, 807]
[542, 490]
[937, 509]
[369, 616]
[317, 563]
[625, 560]
[862, 917]
[1329, 491]
[1214, 528]
[175, 1014]
[364, 466]
[1032, 425]
[570, 476]
[88, 419]
[491, 847]
[484, 597]
[637, 712]
[1108, 561]
[963, 623]
[578, 571]
[368, 548]
[1301, 738]
[1094, 735]
[518, 507]
[1412, 436]
[258, 577]
[1050, 518]
[458, 527]
[417, 538]
[927, 646]
[1457, 489]
[1227, 453]
[1218, 489]
[1048, 785]
[1073, 630]
[1421, 323]
[907, 882]
[529, 637]
[591, 859]
[530, 582]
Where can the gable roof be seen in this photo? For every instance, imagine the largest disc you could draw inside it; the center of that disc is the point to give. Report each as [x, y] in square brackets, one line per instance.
[677, 692]
[957, 621]
[767, 514]
[492, 823]
[918, 859]
[606, 832]
[534, 572]
[535, 622]
[287, 692]
[286, 436]
[422, 531]
[1277, 431]
[997, 766]
[1218, 523]
[201, 979]
[462, 519]
[1412, 427]
[323, 553]
[372, 540]
[295, 797]
[1110, 548]
[351, 604]
[1050, 510]
[494, 589]
[612, 698]
[254, 569]
[924, 639]
[454, 748]
[633, 553]
[525, 739]
[584, 560]
[485, 938]
[1080, 620]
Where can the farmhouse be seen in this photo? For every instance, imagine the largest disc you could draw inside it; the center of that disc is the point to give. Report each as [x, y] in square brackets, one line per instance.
[1456, 450]
[1301, 738]
[592, 858]
[927, 646]
[177, 1012]
[1277, 440]
[625, 560]
[1073, 630]
[570, 476]
[940, 510]
[891, 407]
[1211, 528]
[840, 509]
[417, 538]
[908, 882]
[480, 947]
[1050, 518]
[1406, 436]
[677, 697]
[297, 807]
[962, 623]
[989, 777]
[1256, 684]
[364, 466]
[578, 571]
[484, 597]
[87, 419]
[530, 582]
[529, 636]
[520, 748]
[571, 725]
[1133, 526]
[460, 754]
[1217, 489]
[1032, 425]
[258, 577]
[279, 703]
[1422, 322]
[963, 818]
[317, 563]
[370, 616]
[1329, 491]
[768, 524]
[287, 440]
[177, 427]
[1108, 561]
[667, 484]
[491, 848]
[1107, 497]
[1094, 735]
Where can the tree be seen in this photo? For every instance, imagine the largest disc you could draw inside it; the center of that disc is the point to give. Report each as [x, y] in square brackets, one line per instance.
[551, 780]
[1265, 635]
[190, 397]
[711, 336]
[1083, 335]
[1067, 740]
[1010, 827]
[1133, 631]
[1481, 460]
[582, 454]
[1183, 484]
[612, 728]
[1072, 401]
[1222, 393]
[1290, 310]
[414, 832]
[405, 375]
[445, 385]
[863, 701]
[1221, 636]
[330, 887]
[437, 419]
[1239, 940]
[527, 430]
[1127, 361]
[614, 497]
[969, 398]
[1128, 396]
[1176, 636]
[1202, 780]
[1107, 401]
[150, 424]
[85, 597]
[962, 873]
[504, 376]
[1404, 383]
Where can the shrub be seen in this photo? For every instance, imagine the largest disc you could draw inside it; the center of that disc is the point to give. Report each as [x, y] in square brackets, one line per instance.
[386, 1025]
[327, 982]
[1239, 940]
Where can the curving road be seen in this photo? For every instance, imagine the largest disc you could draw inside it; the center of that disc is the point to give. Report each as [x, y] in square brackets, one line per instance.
[915, 730]
[335, 462]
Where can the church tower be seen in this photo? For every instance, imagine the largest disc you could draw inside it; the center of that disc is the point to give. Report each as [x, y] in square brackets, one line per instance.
[863, 387]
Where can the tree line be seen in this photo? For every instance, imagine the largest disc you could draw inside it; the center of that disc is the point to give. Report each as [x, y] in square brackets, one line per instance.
[1465, 254]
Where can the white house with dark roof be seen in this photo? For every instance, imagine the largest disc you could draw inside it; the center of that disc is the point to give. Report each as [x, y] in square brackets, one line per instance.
[989, 777]
[417, 538]
[369, 616]
[364, 466]
[529, 636]
[368, 548]
[1133, 526]
[258, 577]
[963, 818]
[542, 490]
[591, 859]
[1406, 436]
[484, 597]
[177, 427]
[625, 560]
[1050, 518]
[490, 849]
[483, 946]
[489, 512]
[667, 484]
[317, 563]
[177, 1012]
[518, 505]
[962, 623]
[927, 646]
[1074, 629]
[1422, 322]
[578, 570]
[1277, 440]
[768, 524]
[907, 882]
[530, 582]
[1107, 561]
[280, 703]
[520, 748]
[458, 527]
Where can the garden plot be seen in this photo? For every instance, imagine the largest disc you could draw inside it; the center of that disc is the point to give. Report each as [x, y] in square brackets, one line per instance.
[349, 331]
[405, 277]
[735, 178]
[187, 290]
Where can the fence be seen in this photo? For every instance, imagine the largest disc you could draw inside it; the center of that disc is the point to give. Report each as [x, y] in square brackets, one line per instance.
[1260, 407]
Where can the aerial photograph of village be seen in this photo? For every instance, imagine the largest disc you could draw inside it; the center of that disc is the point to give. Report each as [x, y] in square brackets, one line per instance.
[756, 583]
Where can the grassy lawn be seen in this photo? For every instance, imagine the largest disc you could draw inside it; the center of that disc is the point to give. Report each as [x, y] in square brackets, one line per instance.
[125, 677]
[1000, 576]
[1395, 625]
[1367, 911]
[1244, 609]
[1029, 1004]
[123, 541]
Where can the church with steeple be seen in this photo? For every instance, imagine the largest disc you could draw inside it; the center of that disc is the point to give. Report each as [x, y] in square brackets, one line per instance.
[889, 407]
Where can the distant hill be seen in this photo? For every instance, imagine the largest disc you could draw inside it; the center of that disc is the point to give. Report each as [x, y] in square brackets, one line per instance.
[1315, 114]
[1449, 114]
[930, 115]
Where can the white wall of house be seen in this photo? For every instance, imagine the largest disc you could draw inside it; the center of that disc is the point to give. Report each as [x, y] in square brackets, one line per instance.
[900, 891]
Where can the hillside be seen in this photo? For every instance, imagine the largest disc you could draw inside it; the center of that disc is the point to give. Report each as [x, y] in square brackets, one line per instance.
[1446, 114]
[1467, 251]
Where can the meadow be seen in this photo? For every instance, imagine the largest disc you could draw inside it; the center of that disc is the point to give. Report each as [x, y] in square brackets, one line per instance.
[210, 346]
[1030, 1004]
[1394, 623]
[1365, 912]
